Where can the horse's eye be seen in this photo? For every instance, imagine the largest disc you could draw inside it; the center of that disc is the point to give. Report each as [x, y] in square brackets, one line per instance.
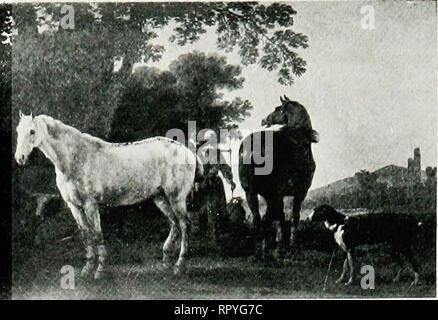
[32, 132]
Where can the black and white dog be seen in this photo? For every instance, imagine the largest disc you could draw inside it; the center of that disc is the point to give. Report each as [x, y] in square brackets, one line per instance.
[397, 230]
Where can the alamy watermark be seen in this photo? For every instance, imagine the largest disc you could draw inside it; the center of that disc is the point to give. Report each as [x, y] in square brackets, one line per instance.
[368, 21]
[67, 21]
[68, 278]
[368, 279]
[256, 148]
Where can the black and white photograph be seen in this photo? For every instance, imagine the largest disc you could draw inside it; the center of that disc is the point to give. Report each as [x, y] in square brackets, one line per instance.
[219, 150]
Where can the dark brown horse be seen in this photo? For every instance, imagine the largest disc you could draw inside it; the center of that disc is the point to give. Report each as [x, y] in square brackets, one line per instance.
[292, 170]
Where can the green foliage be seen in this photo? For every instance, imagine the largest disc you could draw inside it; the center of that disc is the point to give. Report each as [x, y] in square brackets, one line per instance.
[71, 75]
[67, 76]
[5, 68]
[188, 91]
[260, 32]
[147, 91]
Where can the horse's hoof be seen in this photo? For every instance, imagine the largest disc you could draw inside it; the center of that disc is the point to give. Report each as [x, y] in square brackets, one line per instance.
[85, 274]
[396, 279]
[98, 275]
[166, 266]
[279, 263]
[269, 259]
[179, 270]
[276, 262]
[349, 282]
[292, 240]
[339, 280]
[416, 280]
[255, 259]
[279, 255]
[86, 271]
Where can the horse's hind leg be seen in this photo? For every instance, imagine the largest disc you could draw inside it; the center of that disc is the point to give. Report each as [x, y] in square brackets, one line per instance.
[86, 238]
[272, 211]
[164, 206]
[92, 213]
[253, 204]
[180, 209]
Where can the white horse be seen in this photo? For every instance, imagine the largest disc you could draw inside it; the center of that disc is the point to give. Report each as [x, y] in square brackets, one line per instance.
[91, 172]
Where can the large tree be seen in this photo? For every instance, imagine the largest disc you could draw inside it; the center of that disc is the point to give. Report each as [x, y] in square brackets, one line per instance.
[261, 32]
[71, 74]
[188, 91]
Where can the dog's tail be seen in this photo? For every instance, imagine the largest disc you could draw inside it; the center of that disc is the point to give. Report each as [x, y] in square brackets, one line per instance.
[418, 227]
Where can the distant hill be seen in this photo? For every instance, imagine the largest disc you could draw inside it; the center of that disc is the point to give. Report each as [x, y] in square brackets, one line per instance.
[338, 187]
[391, 175]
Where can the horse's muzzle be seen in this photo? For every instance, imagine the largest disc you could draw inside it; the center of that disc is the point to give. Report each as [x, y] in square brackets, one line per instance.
[21, 159]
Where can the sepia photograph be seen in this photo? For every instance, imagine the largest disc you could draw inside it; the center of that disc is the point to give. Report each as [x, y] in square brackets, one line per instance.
[220, 150]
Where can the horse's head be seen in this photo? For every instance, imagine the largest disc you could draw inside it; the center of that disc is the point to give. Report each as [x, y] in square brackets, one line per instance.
[27, 138]
[289, 113]
[292, 116]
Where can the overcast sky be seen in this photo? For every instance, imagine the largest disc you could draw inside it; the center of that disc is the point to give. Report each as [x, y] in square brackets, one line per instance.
[371, 94]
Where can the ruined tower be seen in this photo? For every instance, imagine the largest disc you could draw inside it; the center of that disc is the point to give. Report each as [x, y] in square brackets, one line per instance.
[414, 165]
[417, 162]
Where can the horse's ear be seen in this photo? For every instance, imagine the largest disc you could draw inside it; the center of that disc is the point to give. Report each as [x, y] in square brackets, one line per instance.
[20, 114]
[281, 99]
[31, 114]
[286, 98]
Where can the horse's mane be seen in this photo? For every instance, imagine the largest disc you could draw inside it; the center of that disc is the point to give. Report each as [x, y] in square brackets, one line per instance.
[56, 127]
[151, 139]
[304, 132]
[301, 134]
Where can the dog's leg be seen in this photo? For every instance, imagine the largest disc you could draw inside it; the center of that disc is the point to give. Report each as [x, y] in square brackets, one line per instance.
[344, 271]
[414, 265]
[351, 265]
[396, 256]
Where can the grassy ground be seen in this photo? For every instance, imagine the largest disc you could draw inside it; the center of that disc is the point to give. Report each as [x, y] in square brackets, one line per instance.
[135, 272]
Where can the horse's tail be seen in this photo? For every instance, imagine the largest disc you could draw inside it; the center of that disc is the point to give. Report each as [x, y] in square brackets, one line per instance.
[199, 173]
[194, 200]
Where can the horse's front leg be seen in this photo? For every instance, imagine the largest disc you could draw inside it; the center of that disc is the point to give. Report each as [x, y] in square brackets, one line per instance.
[93, 217]
[295, 219]
[283, 240]
[162, 203]
[86, 237]
[272, 212]
[179, 266]
[180, 210]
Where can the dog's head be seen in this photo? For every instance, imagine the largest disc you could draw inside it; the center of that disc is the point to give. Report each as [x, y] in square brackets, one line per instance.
[323, 213]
